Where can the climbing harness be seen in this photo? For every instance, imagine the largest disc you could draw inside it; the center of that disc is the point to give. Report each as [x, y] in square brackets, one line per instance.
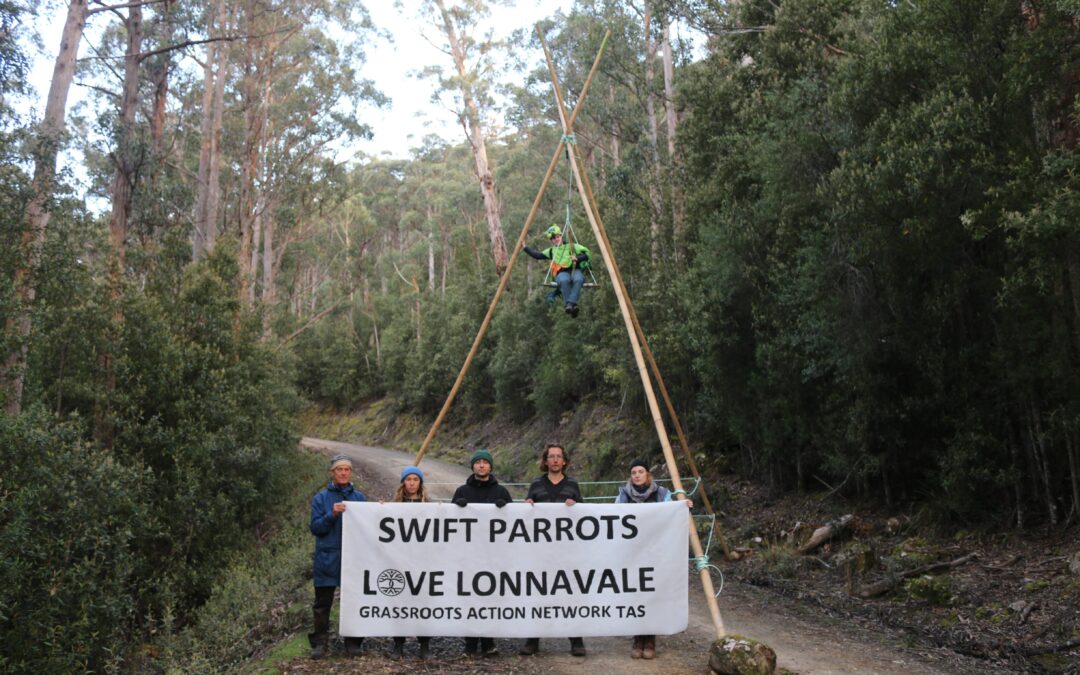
[569, 239]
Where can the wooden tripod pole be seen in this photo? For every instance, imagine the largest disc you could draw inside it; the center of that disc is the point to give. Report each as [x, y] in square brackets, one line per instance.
[624, 305]
[509, 268]
[617, 276]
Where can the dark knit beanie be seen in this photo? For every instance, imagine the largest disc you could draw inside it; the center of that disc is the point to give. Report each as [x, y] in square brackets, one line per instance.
[481, 454]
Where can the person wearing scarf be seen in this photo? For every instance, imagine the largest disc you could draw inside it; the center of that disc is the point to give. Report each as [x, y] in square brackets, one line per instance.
[642, 489]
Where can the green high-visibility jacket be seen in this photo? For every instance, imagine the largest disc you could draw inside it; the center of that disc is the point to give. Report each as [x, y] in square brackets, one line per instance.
[562, 256]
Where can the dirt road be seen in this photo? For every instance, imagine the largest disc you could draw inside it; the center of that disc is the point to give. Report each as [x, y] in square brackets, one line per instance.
[805, 642]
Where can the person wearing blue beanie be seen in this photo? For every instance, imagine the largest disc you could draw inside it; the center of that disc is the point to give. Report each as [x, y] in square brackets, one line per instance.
[411, 489]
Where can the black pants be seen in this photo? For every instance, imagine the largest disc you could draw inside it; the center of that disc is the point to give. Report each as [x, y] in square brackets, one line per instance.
[474, 645]
[324, 600]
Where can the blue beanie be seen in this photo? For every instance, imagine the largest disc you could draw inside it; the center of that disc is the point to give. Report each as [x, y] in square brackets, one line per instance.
[412, 471]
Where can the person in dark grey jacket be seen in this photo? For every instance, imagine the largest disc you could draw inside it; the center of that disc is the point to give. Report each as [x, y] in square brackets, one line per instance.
[554, 487]
[326, 509]
[481, 488]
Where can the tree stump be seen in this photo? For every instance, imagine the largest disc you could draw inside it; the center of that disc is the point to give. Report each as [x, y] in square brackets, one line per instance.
[738, 655]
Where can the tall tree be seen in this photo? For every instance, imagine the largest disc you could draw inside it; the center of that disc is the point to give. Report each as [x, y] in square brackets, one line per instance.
[49, 138]
[208, 181]
[456, 24]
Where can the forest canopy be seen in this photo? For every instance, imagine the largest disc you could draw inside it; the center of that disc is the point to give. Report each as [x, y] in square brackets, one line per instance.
[849, 228]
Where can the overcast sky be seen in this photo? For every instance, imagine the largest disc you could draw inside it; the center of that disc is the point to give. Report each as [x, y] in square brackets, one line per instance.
[412, 115]
[397, 128]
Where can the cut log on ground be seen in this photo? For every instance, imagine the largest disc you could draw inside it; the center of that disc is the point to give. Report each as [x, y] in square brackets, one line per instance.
[885, 585]
[826, 532]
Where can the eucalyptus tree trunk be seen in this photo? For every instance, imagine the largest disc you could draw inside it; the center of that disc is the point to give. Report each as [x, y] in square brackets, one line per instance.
[472, 120]
[208, 188]
[677, 201]
[655, 197]
[616, 131]
[252, 144]
[431, 261]
[125, 159]
[50, 134]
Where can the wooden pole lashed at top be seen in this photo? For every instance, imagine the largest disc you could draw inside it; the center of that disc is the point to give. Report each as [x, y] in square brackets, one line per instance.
[624, 305]
[509, 268]
[616, 275]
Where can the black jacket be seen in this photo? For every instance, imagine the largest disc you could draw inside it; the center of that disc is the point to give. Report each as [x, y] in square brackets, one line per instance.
[543, 490]
[482, 492]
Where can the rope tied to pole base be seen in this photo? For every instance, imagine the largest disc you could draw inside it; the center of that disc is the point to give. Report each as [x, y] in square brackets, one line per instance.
[702, 563]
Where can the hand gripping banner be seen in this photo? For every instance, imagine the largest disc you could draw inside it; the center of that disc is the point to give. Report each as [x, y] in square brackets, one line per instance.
[545, 570]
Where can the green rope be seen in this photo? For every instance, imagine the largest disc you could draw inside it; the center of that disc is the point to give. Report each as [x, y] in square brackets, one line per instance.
[701, 562]
[678, 492]
[569, 139]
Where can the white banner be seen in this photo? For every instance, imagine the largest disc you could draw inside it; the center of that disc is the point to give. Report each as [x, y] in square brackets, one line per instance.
[546, 570]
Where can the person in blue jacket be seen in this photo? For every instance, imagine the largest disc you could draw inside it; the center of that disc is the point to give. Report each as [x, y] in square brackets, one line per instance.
[326, 509]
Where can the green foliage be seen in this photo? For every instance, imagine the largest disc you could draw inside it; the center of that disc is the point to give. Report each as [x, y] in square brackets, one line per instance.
[71, 517]
[262, 595]
[862, 179]
[935, 590]
[100, 546]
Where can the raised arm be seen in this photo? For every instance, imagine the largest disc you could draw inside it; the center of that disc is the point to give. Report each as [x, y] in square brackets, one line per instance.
[539, 255]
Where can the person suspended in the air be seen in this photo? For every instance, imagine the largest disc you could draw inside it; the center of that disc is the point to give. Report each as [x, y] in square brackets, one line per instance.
[567, 262]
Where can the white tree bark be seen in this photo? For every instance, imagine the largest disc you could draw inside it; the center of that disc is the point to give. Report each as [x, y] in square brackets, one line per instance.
[677, 202]
[655, 196]
[37, 214]
[472, 119]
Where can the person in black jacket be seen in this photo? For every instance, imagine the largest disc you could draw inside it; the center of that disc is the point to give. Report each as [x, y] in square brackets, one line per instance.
[481, 488]
[554, 486]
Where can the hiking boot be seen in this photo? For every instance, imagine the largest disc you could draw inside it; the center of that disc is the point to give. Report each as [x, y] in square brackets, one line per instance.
[399, 649]
[354, 646]
[488, 648]
[425, 644]
[531, 646]
[577, 647]
[635, 651]
[648, 647]
[573, 311]
[569, 308]
[318, 642]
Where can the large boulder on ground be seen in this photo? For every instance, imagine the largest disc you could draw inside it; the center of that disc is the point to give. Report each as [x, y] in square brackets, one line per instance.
[738, 655]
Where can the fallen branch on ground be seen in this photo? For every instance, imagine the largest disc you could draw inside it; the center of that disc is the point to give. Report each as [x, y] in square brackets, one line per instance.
[1060, 647]
[885, 585]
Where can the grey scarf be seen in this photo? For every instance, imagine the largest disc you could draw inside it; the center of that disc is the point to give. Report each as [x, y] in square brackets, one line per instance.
[637, 496]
